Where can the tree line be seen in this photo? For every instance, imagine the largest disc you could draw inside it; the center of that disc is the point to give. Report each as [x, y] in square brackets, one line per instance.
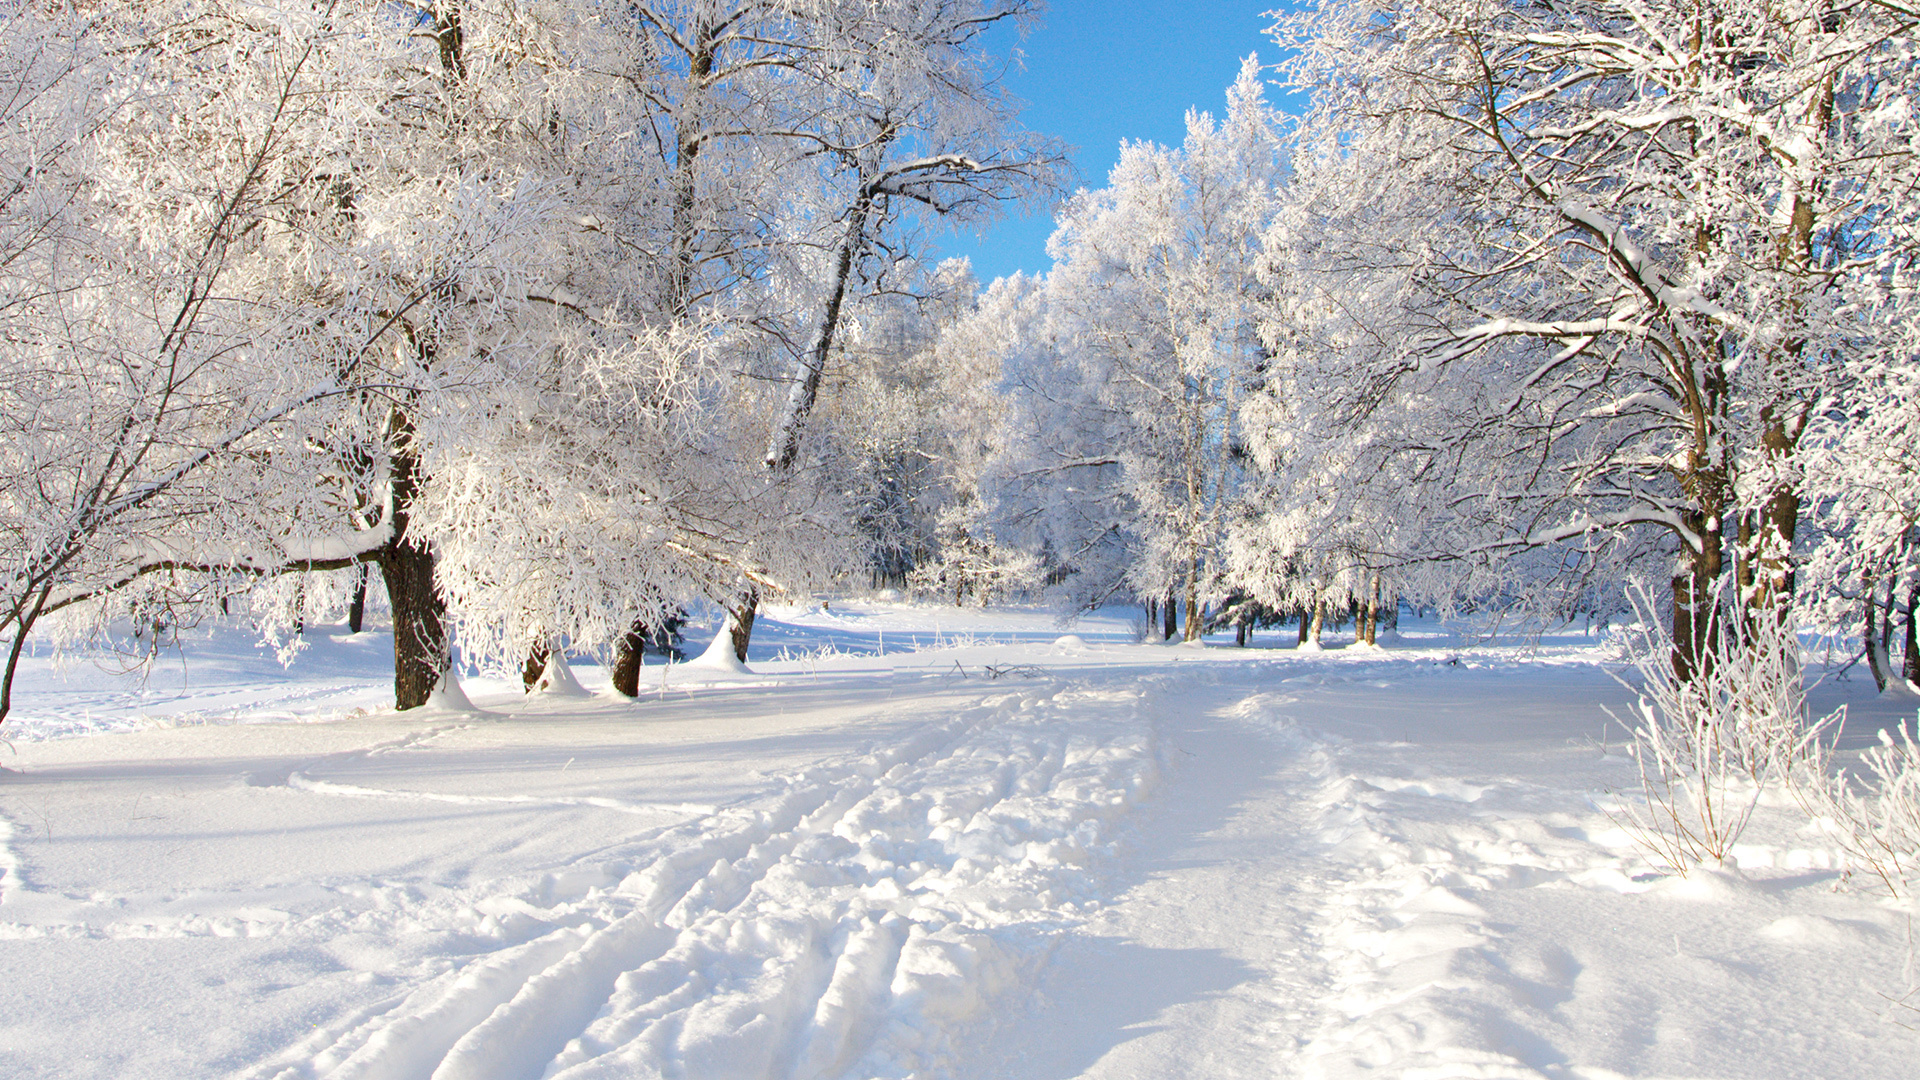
[550, 319]
[519, 307]
[1528, 301]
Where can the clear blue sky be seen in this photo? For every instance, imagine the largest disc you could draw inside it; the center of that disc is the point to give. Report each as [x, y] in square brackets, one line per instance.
[1099, 71]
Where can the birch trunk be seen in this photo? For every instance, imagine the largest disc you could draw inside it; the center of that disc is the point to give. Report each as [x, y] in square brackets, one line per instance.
[1871, 639]
[784, 448]
[1910, 657]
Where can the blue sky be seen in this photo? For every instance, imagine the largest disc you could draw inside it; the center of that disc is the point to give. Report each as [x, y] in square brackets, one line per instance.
[1098, 71]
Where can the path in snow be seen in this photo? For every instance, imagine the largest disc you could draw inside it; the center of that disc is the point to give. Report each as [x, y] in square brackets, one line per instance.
[1303, 902]
[1206, 964]
[1143, 862]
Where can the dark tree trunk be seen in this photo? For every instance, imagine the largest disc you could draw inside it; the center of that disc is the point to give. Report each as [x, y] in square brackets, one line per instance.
[740, 622]
[535, 666]
[420, 653]
[1196, 619]
[784, 448]
[419, 631]
[1696, 615]
[626, 660]
[1171, 613]
[357, 607]
[1306, 620]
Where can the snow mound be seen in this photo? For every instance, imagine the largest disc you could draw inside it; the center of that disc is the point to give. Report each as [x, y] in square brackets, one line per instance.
[447, 699]
[557, 680]
[1433, 968]
[716, 661]
[1069, 643]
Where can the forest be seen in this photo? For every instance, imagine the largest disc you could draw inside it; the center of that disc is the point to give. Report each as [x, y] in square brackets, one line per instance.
[540, 322]
[1406, 562]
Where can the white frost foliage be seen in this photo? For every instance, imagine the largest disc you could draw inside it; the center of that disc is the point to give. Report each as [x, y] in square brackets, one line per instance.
[1125, 393]
[606, 485]
[1524, 241]
[1874, 814]
[1709, 745]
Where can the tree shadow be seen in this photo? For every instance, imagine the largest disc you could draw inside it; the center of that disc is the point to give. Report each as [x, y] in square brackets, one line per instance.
[1100, 993]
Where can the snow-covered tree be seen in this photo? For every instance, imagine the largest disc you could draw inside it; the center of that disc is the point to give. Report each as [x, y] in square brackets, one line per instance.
[169, 364]
[1131, 397]
[1636, 235]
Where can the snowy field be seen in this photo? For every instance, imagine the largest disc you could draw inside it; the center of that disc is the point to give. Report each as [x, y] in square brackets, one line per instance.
[910, 842]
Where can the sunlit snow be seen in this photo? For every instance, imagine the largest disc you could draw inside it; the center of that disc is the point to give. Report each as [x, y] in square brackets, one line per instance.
[905, 841]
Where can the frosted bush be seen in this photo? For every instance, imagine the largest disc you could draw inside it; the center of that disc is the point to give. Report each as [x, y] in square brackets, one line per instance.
[1708, 746]
[1875, 815]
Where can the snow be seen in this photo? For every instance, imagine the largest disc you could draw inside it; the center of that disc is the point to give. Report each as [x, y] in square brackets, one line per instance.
[907, 841]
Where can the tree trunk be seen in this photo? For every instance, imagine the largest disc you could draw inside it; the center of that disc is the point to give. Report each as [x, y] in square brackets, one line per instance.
[784, 448]
[1373, 612]
[740, 622]
[1319, 618]
[1767, 577]
[1871, 639]
[1171, 616]
[419, 634]
[357, 607]
[1195, 623]
[1910, 659]
[1306, 620]
[1696, 617]
[626, 660]
[535, 666]
[420, 647]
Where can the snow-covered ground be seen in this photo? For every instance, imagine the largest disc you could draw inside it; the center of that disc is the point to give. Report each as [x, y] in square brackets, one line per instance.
[909, 842]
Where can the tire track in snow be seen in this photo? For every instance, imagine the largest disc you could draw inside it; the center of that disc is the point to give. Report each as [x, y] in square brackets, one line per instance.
[858, 919]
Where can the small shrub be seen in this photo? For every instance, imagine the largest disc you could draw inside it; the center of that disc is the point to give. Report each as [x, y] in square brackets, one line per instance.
[1875, 816]
[1707, 746]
